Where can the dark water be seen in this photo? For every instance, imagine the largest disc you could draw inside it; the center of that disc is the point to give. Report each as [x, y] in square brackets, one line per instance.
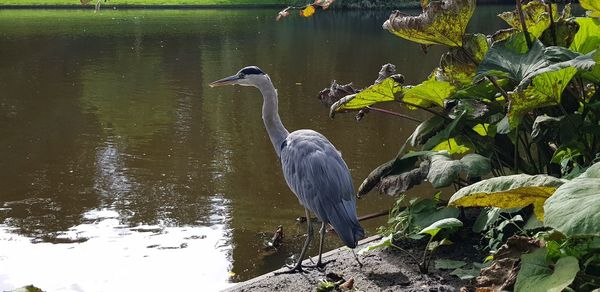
[122, 171]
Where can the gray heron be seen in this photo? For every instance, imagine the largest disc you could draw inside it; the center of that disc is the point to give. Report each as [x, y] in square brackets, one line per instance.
[313, 168]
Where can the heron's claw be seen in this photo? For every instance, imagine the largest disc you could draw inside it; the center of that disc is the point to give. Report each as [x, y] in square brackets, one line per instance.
[320, 265]
[292, 270]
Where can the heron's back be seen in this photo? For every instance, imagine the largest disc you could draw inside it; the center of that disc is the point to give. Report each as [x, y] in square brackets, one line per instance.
[317, 174]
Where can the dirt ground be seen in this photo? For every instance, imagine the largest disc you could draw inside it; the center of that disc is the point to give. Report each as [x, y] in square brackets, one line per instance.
[383, 270]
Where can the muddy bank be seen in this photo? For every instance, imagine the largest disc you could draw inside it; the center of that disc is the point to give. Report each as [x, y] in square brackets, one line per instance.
[383, 270]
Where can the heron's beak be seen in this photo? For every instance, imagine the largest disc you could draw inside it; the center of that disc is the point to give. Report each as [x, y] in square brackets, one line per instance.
[225, 81]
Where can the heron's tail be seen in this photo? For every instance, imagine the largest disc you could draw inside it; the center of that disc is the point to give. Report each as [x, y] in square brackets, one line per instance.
[345, 222]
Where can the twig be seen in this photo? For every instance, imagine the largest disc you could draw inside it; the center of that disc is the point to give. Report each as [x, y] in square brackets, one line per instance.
[524, 25]
[552, 25]
[394, 114]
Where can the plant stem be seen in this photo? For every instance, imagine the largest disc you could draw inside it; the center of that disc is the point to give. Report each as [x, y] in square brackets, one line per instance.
[524, 25]
[492, 79]
[528, 153]
[552, 25]
[394, 114]
[423, 108]
[516, 169]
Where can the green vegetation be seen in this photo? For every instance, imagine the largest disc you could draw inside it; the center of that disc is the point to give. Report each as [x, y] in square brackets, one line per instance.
[142, 2]
[513, 127]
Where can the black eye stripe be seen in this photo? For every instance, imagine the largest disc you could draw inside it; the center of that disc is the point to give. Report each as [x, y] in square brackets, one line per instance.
[251, 70]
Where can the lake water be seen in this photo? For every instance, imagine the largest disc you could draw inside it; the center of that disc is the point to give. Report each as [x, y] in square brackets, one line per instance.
[121, 170]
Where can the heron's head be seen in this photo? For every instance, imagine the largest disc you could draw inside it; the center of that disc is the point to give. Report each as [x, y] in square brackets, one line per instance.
[247, 76]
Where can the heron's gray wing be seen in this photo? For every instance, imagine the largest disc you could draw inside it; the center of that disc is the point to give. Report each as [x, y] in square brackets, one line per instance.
[319, 177]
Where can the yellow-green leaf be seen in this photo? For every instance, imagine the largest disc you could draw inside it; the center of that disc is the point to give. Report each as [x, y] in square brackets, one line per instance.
[511, 191]
[441, 22]
[587, 37]
[452, 147]
[429, 92]
[384, 91]
[457, 64]
[536, 15]
[545, 90]
[593, 7]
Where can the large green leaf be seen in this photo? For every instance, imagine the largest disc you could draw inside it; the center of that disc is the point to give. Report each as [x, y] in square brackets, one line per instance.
[545, 90]
[476, 165]
[430, 91]
[511, 59]
[536, 274]
[384, 91]
[483, 89]
[587, 37]
[443, 170]
[574, 209]
[510, 191]
[441, 22]
[536, 15]
[592, 5]
[576, 61]
[460, 64]
[436, 227]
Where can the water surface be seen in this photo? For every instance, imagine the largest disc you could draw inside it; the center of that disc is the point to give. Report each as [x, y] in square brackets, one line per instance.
[122, 171]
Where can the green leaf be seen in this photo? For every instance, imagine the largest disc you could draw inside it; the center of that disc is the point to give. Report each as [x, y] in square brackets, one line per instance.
[429, 92]
[511, 59]
[487, 217]
[428, 216]
[443, 171]
[445, 134]
[575, 61]
[384, 91]
[536, 17]
[383, 242]
[536, 275]
[448, 223]
[587, 37]
[466, 274]
[594, 74]
[426, 129]
[509, 191]
[441, 22]
[460, 64]
[443, 264]
[545, 90]
[592, 5]
[452, 147]
[483, 89]
[574, 209]
[476, 165]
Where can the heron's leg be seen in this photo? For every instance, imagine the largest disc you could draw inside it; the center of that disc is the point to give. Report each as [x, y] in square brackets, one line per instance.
[320, 264]
[298, 266]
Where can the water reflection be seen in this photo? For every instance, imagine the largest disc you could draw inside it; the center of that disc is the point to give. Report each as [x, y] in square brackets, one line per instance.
[122, 168]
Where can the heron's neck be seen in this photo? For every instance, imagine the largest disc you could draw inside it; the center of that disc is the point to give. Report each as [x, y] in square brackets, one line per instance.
[275, 129]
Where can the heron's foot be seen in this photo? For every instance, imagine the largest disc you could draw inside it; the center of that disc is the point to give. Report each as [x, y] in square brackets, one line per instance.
[292, 270]
[320, 265]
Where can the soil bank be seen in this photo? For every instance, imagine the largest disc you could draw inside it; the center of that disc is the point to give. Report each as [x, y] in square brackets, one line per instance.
[383, 270]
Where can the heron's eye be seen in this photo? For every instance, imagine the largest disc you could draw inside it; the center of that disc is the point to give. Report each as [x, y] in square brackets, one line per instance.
[242, 75]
